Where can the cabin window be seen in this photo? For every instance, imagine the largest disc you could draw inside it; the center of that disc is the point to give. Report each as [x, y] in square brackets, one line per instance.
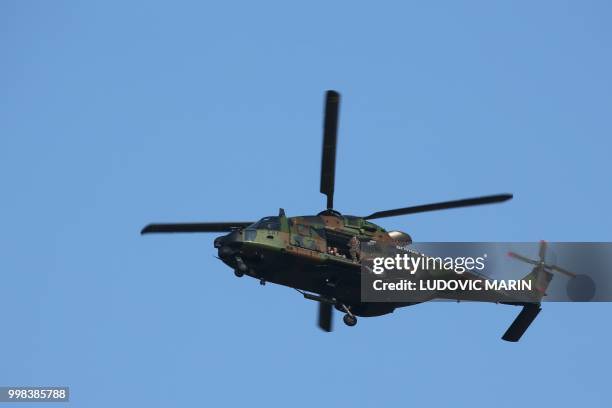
[338, 244]
[250, 234]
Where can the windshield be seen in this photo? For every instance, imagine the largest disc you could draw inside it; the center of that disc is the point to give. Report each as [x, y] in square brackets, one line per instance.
[269, 223]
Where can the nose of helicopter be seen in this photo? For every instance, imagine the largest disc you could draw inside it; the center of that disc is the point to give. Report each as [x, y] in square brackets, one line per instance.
[229, 244]
[229, 247]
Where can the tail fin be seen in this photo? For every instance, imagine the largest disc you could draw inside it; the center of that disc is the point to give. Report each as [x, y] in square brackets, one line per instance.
[540, 279]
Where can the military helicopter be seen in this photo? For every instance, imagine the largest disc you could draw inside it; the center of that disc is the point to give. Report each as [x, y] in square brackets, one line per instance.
[313, 253]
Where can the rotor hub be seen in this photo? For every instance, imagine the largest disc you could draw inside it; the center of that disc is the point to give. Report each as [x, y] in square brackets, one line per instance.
[331, 212]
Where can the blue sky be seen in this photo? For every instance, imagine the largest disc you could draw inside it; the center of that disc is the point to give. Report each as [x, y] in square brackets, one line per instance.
[116, 114]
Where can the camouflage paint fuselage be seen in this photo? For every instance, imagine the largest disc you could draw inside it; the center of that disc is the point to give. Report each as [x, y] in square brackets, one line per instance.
[294, 252]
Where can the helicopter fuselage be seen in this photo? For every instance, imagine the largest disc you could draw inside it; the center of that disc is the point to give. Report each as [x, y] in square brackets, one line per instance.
[308, 253]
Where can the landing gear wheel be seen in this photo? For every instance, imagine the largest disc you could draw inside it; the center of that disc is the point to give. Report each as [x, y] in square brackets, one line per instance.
[349, 320]
[262, 282]
[238, 273]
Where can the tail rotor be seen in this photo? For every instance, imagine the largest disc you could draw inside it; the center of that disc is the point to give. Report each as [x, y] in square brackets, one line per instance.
[580, 288]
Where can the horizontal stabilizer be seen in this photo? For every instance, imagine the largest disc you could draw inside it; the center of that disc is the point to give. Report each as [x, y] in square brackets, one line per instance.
[522, 322]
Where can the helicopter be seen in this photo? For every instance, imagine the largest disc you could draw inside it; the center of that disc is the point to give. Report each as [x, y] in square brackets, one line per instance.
[315, 254]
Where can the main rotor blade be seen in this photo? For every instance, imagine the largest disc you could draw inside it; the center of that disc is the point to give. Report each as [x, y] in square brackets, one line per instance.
[194, 227]
[441, 206]
[330, 138]
[325, 316]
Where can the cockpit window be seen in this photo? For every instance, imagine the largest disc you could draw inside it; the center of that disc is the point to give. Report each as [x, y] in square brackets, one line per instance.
[269, 223]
